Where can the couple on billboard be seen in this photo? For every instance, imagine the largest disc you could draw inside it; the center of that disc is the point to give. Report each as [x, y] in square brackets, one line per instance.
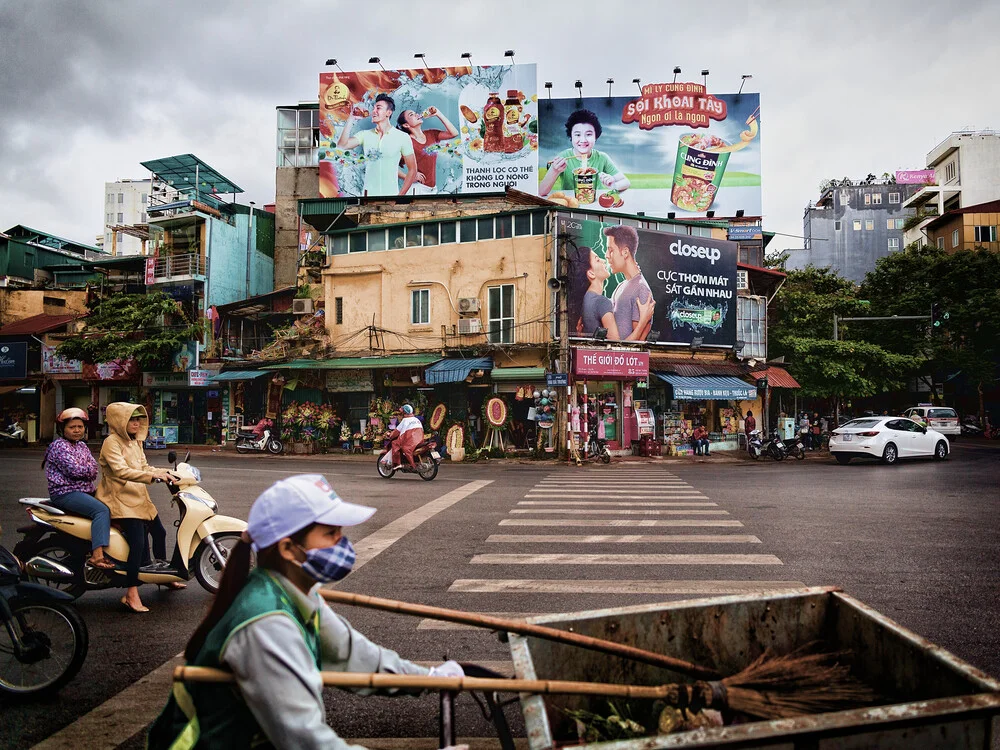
[628, 314]
[394, 154]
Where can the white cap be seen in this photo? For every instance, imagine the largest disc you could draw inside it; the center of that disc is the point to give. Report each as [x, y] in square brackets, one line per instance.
[291, 504]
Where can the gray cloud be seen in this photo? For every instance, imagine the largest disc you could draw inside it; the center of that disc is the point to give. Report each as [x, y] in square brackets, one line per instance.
[90, 89]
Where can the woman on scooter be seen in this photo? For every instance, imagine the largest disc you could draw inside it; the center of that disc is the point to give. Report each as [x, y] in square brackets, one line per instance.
[72, 474]
[270, 627]
[124, 476]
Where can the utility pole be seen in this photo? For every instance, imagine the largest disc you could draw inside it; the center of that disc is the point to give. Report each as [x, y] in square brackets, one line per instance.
[249, 246]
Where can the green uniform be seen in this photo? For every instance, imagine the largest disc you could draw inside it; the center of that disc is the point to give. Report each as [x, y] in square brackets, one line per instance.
[599, 161]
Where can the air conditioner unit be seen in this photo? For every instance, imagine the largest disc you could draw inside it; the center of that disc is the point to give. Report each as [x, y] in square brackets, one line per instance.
[469, 326]
[302, 307]
[742, 280]
[468, 305]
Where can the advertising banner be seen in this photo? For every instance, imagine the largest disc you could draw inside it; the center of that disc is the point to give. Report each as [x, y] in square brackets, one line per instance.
[150, 271]
[632, 282]
[53, 364]
[13, 360]
[116, 370]
[915, 177]
[610, 365]
[200, 377]
[185, 357]
[674, 149]
[428, 130]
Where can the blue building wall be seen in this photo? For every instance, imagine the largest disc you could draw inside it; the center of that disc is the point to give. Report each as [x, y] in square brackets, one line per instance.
[227, 266]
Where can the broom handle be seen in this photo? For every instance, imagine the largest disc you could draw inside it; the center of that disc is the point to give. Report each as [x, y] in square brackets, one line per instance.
[449, 684]
[523, 628]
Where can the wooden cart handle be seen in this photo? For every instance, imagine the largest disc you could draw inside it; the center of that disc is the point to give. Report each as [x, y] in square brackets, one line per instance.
[524, 628]
[385, 681]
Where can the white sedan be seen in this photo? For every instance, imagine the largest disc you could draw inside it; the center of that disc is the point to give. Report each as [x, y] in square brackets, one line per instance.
[888, 439]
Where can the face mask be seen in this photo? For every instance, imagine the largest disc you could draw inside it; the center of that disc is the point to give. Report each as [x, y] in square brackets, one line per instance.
[328, 564]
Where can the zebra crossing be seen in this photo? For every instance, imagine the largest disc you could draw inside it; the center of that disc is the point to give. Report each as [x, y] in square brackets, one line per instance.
[626, 507]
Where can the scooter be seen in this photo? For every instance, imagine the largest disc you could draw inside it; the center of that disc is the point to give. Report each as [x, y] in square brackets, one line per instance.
[795, 447]
[14, 435]
[597, 448]
[775, 447]
[43, 639]
[755, 445]
[425, 456]
[204, 541]
[247, 442]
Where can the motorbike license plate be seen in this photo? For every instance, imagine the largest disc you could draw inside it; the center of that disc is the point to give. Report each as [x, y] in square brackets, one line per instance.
[848, 438]
[435, 455]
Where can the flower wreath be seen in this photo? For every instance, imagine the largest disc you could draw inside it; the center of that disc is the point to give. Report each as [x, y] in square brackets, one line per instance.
[495, 413]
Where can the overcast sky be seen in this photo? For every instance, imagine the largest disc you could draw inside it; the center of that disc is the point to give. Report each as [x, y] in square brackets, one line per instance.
[88, 89]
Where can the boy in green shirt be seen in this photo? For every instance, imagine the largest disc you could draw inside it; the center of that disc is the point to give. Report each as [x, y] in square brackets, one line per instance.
[583, 129]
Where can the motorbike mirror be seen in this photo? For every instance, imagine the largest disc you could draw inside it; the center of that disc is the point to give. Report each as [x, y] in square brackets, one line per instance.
[187, 456]
[172, 457]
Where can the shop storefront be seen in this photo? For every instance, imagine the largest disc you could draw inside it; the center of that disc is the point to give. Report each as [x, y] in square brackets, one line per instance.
[717, 402]
[605, 389]
[518, 386]
[243, 397]
[186, 407]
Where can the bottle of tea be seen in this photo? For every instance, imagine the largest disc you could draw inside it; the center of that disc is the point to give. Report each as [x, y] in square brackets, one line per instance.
[493, 116]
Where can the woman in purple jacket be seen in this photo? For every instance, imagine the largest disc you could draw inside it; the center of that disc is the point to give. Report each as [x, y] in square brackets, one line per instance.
[72, 473]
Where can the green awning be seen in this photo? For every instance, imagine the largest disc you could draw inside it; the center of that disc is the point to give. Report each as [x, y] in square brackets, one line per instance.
[238, 375]
[518, 373]
[359, 363]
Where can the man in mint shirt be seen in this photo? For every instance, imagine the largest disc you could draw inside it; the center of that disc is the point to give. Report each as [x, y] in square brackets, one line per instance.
[384, 147]
[583, 129]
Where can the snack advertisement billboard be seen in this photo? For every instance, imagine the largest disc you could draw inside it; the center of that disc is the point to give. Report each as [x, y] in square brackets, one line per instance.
[427, 131]
[674, 149]
[633, 282]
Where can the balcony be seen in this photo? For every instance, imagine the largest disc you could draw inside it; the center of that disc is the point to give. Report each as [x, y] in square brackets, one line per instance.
[184, 267]
[535, 333]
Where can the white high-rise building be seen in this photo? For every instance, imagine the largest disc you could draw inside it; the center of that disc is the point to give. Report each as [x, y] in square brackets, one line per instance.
[125, 204]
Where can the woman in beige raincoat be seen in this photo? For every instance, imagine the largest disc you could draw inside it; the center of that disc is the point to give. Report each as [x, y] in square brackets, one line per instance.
[124, 476]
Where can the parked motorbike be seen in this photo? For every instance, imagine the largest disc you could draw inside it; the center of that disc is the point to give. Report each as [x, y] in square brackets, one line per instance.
[204, 541]
[755, 445]
[14, 435]
[597, 448]
[795, 447]
[970, 426]
[43, 639]
[425, 457]
[248, 442]
[775, 447]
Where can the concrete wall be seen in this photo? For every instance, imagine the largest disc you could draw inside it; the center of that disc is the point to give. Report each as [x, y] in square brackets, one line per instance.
[227, 246]
[20, 304]
[291, 184]
[377, 285]
[851, 252]
[977, 160]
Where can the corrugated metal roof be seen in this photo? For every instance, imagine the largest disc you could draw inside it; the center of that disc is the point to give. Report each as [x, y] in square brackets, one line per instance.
[696, 368]
[239, 375]
[777, 377]
[36, 324]
[358, 363]
[455, 370]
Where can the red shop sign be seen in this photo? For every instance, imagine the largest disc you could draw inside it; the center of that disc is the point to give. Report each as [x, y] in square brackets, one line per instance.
[610, 365]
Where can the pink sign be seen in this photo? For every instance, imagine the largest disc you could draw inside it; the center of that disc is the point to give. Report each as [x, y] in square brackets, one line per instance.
[915, 177]
[610, 365]
[150, 271]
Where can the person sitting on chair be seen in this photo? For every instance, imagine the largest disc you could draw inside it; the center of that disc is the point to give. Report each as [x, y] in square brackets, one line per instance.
[699, 439]
[409, 433]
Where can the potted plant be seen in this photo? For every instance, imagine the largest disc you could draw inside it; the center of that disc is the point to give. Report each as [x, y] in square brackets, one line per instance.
[357, 439]
[368, 439]
[345, 435]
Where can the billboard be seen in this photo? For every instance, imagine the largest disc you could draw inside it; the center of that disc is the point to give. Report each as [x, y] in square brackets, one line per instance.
[631, 282]
[674, 149]
[915, 177]
[13, 360]
[428, 131]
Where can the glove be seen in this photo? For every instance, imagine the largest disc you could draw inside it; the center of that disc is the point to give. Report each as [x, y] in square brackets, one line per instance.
[449, 669]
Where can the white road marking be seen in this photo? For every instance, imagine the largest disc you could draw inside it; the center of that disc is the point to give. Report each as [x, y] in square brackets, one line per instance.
[588, 512]
[615, 586]
[624, 538]
[617, 495]
[376, 543]
[615, 522]
[124, 714]
[652, 503]
[602, 559]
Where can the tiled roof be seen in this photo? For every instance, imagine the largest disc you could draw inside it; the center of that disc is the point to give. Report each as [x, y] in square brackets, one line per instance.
[36, 324]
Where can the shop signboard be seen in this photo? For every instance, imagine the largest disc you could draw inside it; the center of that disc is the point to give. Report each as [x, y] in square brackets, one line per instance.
[604, 364]
[744, 232]
[350, 381]
[164, 379]
[150, 271]
[13, 360]
[557, 379]
[200, 377]
[613, 269]
[713, 393]
[676, 148]
[915, 177]
[185, 357]
[469, 129]
[115, 370]
[53, 364]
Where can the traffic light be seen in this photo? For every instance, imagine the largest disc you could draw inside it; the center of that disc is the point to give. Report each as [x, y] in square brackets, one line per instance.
[938, 316]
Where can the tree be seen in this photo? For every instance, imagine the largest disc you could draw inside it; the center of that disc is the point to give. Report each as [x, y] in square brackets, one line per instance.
[966, 287]
[800, 328]
[145, 327]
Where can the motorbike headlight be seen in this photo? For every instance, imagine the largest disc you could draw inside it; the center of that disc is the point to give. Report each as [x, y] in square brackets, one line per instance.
[190, 496]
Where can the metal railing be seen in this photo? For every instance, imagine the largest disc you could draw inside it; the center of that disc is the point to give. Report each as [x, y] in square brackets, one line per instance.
[172, 266]
[523, 334]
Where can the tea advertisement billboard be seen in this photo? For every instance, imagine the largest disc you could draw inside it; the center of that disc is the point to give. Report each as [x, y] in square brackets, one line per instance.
[628, 283]
[424, 131]
[673, 149]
